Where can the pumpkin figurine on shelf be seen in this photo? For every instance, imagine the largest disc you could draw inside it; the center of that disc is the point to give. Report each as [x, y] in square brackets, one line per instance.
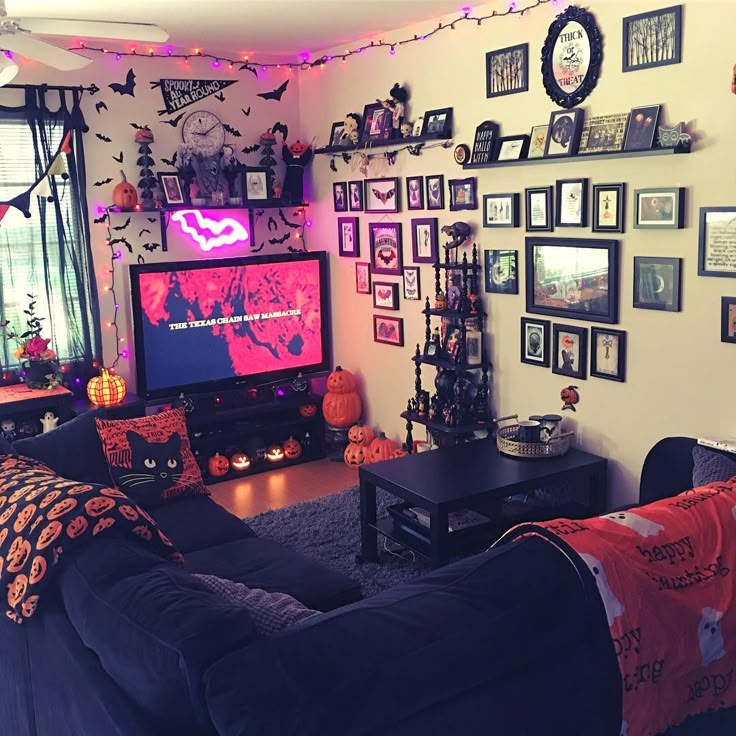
[107, 389]
[240, 461]
[124, 195]
[354, 454]
[360, 434]
[341, 406]
[218, 465]
[308, 410]
[292, 449]
[381, 448]
[275, 454]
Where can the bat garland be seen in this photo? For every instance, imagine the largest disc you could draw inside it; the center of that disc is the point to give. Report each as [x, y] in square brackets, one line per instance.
[127, 88]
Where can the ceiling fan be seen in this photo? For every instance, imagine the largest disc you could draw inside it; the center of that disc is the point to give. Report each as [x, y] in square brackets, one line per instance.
[19, 36]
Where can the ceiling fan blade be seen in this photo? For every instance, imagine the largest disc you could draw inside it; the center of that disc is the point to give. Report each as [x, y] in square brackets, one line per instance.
[94, 29]
[46, 53]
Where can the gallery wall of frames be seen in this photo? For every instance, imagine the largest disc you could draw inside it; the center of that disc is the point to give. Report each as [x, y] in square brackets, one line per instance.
[600, 196]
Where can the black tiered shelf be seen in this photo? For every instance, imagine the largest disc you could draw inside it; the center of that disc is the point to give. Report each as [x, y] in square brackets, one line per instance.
[410, 141]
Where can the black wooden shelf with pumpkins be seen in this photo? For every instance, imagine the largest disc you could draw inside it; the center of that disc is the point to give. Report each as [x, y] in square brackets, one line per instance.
[411, 140]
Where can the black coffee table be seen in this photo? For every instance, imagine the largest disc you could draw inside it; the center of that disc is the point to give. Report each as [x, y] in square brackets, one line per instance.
[475, 476]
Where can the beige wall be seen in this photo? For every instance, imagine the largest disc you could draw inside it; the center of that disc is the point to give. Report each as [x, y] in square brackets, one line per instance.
[680, 375]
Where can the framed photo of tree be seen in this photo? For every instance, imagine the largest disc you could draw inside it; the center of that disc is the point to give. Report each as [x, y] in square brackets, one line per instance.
[507, 70]
[652, 39]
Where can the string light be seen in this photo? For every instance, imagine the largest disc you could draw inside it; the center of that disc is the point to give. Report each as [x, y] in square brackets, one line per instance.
[110, 288]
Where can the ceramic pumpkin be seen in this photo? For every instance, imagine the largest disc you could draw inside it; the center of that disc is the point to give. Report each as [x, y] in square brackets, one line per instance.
[381, 448]
[275, 453]
[107, 389]
[124, 195]
[354, 454]
[308, 410]
[341, 406]
[239, 461]
[218, 465]
[292, 449]
[360, 434]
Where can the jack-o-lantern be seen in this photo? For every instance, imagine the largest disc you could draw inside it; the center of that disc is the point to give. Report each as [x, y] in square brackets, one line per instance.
[17, 589]
[381, 448]
[102, 524]
[218, 465]
[275, 454]
[98, 506]
[29, 606]
[292, 449]
[24, 517]
[49, 533]
[298, 148]
[107, 389]
[360, 434]
[9, 511]
[124, 195]
[354, 454]
[308, 410]
[49, 498]
[143, 532]
[38, 569]
[128, 512]
[570, 397]
[18, 554]
[341, 406]
[76, 527]
[240, 461]
[61, 507]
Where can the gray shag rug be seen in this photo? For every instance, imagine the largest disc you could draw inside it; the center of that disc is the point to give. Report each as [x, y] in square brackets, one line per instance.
[327, 530]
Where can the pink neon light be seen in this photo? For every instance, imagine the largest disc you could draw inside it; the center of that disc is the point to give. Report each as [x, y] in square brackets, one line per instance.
[209, 233]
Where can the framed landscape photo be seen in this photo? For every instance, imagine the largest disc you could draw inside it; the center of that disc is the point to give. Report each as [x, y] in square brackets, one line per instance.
[256, 184]
[438, 123]
[571, 198]
[512, 147]
[377, 123]
[652, 39]
[728, 319]
[340, 196]
[382, 195]
[538, 141]
[355, 198]
[535, 336]
[363, 277]
[507, 71]
[385, 240]
[717, 242]
[348, 237]
[388, 330]
[501, 267]
[657, 283]
[501, 210]
[570, 351]
[573, 278]
[641, 128]
[563, 133]
[539, 209]
[608, 354]
[659, 209]
[424, 239]
[609, 208]
[336, 134]
[386, 295]
[171, 188]
[412, 287]
[435, 192]
[415, 192]
[603, 134]
[463, 194]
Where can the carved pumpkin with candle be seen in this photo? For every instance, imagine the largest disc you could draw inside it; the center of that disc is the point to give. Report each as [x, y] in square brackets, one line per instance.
[292, 449]
[107, 389]
[354, 454]
[341, 406]
[239, 461]
[124, 195]
[218, 465]
[308, 410]
[381, 448]
[360, 434]
[275, 453]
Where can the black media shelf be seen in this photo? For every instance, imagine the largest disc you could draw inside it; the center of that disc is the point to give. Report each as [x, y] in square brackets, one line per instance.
[580, 157]
[410, 141]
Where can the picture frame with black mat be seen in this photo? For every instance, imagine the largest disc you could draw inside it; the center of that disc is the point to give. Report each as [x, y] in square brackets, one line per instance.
[512, 147]
[415, 192]
[170, 184]
[728, 319]
[463, 194]
[258, 185]
[661, 208]
[424, 239]
[336, 134]
[437, 123]
[717, 242]
[608, 354]
[658, 283]
[348, 237]
[435, 185]
[355, 196]
[501, 271]
[501, 210]
[340, 196]
[641, 128]
[570, 351]
[539, 212]
[535, 339]
[652, 39]
[507, 70]
[609, 208]
[563, 137]
[571, 203]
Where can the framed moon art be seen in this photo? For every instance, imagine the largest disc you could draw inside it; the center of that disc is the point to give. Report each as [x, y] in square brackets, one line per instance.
[571, 57]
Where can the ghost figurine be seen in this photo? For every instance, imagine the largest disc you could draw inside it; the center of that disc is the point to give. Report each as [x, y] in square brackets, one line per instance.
[614, 607]
[7, 429]
[49, 421]
[710, 636]
[639, 524]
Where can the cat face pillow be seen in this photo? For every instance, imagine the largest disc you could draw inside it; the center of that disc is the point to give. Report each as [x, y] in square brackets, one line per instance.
[150, 458]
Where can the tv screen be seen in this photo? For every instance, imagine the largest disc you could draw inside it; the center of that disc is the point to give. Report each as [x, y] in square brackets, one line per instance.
[206, 325]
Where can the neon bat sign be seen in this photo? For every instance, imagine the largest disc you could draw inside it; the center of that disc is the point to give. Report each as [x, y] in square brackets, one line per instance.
[208, 233]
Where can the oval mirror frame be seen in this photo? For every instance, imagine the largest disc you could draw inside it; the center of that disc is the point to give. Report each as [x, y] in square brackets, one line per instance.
[587, 21]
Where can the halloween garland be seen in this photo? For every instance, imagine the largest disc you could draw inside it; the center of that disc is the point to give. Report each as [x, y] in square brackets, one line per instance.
[364, 158]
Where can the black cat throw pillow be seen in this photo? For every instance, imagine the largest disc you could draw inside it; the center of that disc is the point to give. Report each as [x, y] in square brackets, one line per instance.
[150, 458]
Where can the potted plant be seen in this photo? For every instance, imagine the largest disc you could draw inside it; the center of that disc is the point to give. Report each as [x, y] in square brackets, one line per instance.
[40, 364]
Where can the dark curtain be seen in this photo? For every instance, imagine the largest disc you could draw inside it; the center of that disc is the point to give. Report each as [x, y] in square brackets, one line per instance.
[49, 253]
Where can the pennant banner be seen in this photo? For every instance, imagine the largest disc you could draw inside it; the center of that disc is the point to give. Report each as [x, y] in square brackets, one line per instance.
[180, 93]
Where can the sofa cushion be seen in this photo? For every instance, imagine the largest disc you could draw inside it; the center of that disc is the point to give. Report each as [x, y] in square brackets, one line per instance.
[262, 563]
[197, 522]
[153, 626]
[73, 450]
[150, 458]
[5, 447]
[710, 466]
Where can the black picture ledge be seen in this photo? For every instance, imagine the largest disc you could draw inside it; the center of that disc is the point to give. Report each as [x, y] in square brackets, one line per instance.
[269, 204]
[397, 142]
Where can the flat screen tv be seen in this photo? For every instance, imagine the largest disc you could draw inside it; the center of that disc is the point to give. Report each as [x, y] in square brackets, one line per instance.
[208, 325]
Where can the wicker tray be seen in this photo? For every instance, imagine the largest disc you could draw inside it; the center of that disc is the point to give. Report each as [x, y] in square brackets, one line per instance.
[507, 441]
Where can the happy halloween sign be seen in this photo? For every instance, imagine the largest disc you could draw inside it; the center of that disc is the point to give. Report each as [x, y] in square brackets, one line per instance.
[180, 93]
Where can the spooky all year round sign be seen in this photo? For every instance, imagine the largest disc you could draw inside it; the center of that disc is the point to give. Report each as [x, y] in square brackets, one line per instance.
[179, 93]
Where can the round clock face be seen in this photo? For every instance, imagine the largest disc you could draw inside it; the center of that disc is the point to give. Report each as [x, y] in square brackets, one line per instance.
[204, 133]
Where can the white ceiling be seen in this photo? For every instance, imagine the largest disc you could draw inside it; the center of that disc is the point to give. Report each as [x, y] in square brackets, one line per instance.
[274, 27]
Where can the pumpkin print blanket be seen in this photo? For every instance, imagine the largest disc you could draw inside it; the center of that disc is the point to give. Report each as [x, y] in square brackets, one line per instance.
[42, 516]
[665, 573]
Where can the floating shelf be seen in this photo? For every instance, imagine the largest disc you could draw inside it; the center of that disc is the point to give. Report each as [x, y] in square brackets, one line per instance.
[580, 157]
[447, 363]
[452, 313]
[411, 141]
[265, 205]
[439, 426]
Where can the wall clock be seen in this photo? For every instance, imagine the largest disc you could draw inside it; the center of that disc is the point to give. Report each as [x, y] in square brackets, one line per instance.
[571, 57]
[204, 133]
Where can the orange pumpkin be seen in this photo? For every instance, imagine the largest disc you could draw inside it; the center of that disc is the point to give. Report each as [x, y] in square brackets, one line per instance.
[218, 465]
[240, 461]
[308, 410]
[360, 434]
[76, 527]
[124, 195]
[292, 449]
[354, 454]
[401, 452]
[341, 406]
[275, 454]
[381, 448]
[107, 389]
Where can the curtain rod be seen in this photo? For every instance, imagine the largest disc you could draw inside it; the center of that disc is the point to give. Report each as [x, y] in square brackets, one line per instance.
[92, 89]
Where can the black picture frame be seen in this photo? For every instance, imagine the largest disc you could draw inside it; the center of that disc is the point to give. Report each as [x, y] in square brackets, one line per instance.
[388, 330]
[728, 216]
[532, 197]
[414, 192]
[265, 179]
[556, 297]
[437, 123]
[388, 294]
[521, 150]
[603, 220]
[340, 196]
[561, 198]
[599, 364]
[655, 276]
[370, 131]
[728, 319]
[662, 208]
[348, 247]
[386, 256]
[570, 95]
[638, 26]
[484, 142]
[501, 271]
[435, 189]
[170, 184]
[463, 194]
[563, 135]
[642, 127]
[382, 195]
[535, 341]
[356, 201]
[568, 358]
[412, 276]
[424, 252]
[337, 135]
[507, 71]
[363, 278]
[506, 212]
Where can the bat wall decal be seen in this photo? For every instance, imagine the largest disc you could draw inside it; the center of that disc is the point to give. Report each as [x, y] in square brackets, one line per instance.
[102, 182]
[245, 112]
[128, 88]
[281, 128]
[233, 131]
[275, 94]
[119, 158]
[151, 219]
[220, 97]
[281, 240]
[115, 241]
[250, 149]
[100, 106]
[103, 138]
[171, 161]
[101, 219]
[150, 247]
[174, 122]
[384, 196]
[124, 225]
[145, 230]
[136, 126]
[141, 260]
[286, 222]
[249, 68]
[272, 224]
